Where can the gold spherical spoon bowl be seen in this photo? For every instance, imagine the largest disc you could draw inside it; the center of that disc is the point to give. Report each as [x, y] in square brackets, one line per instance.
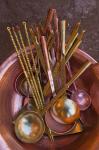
[66, 110]
[29, 127]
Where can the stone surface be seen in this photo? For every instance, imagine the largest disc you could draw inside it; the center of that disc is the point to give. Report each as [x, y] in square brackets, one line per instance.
[86, 11]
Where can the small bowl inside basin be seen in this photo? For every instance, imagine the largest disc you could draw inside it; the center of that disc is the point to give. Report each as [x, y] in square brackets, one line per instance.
[21, 85]
[55, 126]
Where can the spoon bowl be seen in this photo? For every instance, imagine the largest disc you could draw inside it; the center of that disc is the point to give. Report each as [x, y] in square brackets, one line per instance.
[29, 127]
[82, 98]
[66, 110]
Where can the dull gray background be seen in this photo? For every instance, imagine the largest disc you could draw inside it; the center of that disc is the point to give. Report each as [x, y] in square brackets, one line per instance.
[86, 11]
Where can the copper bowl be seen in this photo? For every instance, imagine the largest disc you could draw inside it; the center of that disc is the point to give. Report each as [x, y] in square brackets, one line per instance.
[11, 103]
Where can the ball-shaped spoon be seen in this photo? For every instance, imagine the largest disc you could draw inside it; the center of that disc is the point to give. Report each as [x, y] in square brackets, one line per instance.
[65, 110]
[29, 127]
[81, 97]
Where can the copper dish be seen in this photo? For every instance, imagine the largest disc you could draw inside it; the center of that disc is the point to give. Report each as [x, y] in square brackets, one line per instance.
[11, 103]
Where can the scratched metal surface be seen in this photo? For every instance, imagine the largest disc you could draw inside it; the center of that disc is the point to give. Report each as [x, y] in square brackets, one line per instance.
[87, 11]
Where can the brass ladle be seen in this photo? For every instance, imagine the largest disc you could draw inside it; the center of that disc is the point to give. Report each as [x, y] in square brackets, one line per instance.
[26, 119]
[65, 110]
[67, 85]
[22, 66]
[29, 127]
[81, 97]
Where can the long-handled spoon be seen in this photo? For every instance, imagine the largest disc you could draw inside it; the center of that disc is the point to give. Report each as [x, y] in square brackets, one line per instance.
[65, 109]
[62, 91]
[39, 84]
[28, 121]
[68, 84]
[81, 97]
[18, 132]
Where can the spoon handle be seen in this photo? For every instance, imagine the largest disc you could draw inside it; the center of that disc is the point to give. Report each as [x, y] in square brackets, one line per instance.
[77, 75]
[70, 73]
[38, 50]
[57, 36]
[72, 38]
[63, 30]
[44, 46]
[49, 19]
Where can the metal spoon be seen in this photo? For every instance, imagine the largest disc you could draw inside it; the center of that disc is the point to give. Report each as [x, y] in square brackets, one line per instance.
[81, 97]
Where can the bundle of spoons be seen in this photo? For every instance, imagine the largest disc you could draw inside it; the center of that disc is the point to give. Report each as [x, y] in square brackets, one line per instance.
[45, 78]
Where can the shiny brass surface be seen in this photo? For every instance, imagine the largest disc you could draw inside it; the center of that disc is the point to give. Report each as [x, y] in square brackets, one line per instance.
[29, 127]
[23, 63]
[66, 110]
